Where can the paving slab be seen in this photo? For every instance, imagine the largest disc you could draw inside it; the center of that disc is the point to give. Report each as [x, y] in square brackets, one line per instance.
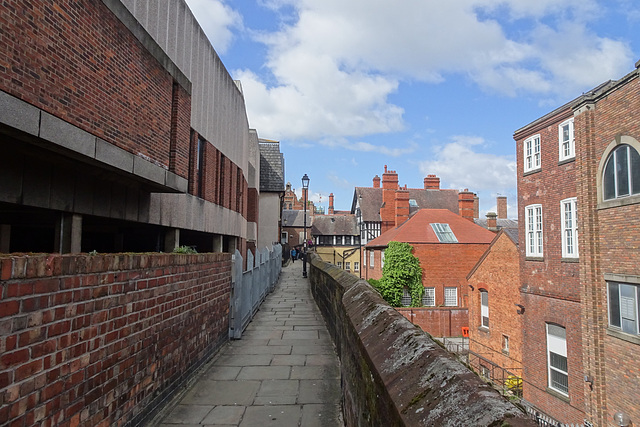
[283, 372]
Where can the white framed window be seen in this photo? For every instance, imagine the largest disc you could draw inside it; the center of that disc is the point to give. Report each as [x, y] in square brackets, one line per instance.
[624, 307]
[339, 264]
[371, 255]
[429, 297]
[356, 266]
[621, 174]
[566, 140]
[485, 372]
[444, 233]
[284, 237]
[569, 218]
[450, 297]
[532, 153]
[557, 359]
[347, 265]
[406, 297]
[505, 343]
[533, 227]
[382, 259]
[484, 309]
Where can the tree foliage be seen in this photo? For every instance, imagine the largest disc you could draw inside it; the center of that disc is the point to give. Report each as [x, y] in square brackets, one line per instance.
[401, 269]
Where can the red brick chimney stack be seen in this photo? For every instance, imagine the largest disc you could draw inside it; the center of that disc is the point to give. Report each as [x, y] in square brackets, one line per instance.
[501, 201]
[492, 222]
[389, 179]
[401, 206]
[465, 204]
[331, 211]
[431, 182]
[376, 181]
[476, 206]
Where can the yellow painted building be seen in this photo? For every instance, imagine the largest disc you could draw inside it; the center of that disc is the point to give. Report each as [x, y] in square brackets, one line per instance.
[336, 240]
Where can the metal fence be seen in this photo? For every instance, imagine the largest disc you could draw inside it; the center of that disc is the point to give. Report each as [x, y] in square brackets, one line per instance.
[250, 288]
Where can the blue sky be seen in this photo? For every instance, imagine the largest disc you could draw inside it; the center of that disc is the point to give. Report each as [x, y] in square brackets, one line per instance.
[423, 86]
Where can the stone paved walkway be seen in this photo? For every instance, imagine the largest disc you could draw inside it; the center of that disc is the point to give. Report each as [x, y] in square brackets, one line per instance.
[283, 372]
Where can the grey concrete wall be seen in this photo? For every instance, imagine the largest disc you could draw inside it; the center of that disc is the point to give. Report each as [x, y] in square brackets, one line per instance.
[393, 374]
[174, 28]
[268, 231]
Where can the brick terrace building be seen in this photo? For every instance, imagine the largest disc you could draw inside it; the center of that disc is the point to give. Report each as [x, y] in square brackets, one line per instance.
[549, 269]
[448, 247]
[495, 320]
[112, 133]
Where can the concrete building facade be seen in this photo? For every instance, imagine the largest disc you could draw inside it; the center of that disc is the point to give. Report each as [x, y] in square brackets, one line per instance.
[113, 134]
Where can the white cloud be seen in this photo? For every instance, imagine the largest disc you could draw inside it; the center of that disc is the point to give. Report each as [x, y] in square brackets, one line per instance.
[366, 147]
[217, 20]
[461, 164]
[333, 66]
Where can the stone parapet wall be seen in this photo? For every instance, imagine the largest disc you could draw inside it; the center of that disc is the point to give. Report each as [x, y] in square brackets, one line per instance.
[393, 374]
[105, 339]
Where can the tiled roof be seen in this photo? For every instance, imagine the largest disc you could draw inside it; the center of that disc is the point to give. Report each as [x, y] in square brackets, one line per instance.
[271, 167]
[425, 199]
[500, 222]
[417, 229]
[335, 225]
[295, 218]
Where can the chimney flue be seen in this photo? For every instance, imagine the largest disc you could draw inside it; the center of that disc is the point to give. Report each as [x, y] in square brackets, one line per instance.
[431, 182]
[501, 202]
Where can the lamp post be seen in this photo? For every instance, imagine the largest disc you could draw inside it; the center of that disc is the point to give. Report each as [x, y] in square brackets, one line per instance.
[305, 189]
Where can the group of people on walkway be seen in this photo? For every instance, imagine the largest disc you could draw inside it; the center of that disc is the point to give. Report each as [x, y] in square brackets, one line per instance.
[296, 254]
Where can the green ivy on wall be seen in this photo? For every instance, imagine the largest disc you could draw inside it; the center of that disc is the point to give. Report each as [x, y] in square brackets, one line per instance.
[401, 269]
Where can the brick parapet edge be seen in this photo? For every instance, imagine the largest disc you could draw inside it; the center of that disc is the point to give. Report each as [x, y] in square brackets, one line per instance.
[392, 372]
[105, 339]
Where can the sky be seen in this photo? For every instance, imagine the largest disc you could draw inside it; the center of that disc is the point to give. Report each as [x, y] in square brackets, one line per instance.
[422, 86]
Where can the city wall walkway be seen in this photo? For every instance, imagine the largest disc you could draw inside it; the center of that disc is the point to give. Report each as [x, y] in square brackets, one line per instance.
[283, 372]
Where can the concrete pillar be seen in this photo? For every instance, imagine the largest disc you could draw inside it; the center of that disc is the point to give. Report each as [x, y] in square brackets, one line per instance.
[68, 234]
[171, 239]
[217, 243]
[5, 238]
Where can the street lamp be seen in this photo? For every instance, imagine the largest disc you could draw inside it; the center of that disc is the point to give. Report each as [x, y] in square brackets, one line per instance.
[305, 189]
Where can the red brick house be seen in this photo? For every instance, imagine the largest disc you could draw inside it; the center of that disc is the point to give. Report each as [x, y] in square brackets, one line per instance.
[448, 247]
[495, 313]
[549, 269]
[607, 123]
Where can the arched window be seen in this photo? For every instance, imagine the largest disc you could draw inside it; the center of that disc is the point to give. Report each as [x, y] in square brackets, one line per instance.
[621, 176]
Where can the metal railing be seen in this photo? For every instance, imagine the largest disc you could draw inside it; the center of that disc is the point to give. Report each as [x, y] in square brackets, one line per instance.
[249, 288]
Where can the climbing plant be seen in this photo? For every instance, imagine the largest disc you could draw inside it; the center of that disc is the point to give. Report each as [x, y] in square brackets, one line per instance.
[401, 269]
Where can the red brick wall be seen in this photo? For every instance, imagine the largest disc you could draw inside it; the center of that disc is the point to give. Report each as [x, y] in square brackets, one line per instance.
[613, 235]
[92, 340]
[499, 274]
[437, 321]
[551, 290]
[75, 60]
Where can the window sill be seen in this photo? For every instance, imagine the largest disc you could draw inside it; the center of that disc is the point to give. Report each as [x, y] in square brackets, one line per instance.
[483, 329]
[567, 160]
[570, 260]
[558, 395]
[532, 171]
[634, 339]
[505, 352]
[622, 201]
[534, 258]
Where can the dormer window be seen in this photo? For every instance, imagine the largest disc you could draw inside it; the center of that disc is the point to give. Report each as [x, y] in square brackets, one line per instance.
[444, 233]
[413, 203]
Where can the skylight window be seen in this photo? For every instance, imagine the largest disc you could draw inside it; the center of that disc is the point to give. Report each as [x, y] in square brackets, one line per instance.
[413, 203]
[444, 233]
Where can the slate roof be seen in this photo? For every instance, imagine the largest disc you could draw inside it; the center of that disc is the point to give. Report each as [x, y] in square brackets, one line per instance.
[295, 218]
[512, 232]
[417, 229]
[500, 222]
[425, 199]
[335, 225]
[271, 166]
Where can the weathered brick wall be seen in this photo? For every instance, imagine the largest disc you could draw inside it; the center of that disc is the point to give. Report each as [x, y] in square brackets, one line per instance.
[77, 61]
[393, 374]
[550, 284]
[437, 321]
[613, 238]
[499, 275]
[103, 340]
